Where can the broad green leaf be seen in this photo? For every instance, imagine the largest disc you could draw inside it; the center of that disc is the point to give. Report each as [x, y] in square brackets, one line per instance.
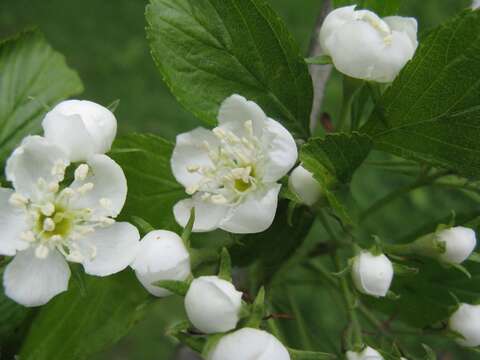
[431, 113]
[336, 157]
[152, 189]
[276, 245]
[73, 326]
[381, 7]
[33, 77]
[208, 50]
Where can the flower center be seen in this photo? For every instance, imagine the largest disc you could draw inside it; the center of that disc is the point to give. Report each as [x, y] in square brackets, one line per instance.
[53, 220]
[234, 170]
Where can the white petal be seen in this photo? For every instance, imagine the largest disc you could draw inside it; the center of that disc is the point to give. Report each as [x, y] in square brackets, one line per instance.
[281, 151]
[190, 150]
[99, 122]
[255, 214]
[407, 25]
[161, 256]
[109, 187]
[35, 158]
[207, 215]
[332, 23]
[235, 110]
[116, 248]
[12, 224]
[31, 281]
[69, 133]
[356, 49]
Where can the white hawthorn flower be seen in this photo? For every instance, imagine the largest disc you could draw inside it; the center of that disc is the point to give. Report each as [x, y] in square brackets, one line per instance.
[232, 171]
[251, 344]
[372, 274]
[366, 354]
[466, 322]
[81, 128]
[45, 223]
[364, 46]
[162, 256]
[213, 305]
[304, 185]
[459, 244]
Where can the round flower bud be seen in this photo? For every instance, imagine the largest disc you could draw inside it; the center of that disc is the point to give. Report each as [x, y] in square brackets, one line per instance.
[459, 243]
[81, 128]
[372, 274]
[213, 305]
[366, 354]
[364, 46]
[162, 256]
[251, 344]
[466, 322]
[303, 184]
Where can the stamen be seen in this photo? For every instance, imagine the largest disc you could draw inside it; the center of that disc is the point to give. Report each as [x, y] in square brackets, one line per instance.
[42, 251]
[48, 225]
[18, 200]
[85, 188]
[218, 199]
[81, 172]
[48, 209]
[28, 236]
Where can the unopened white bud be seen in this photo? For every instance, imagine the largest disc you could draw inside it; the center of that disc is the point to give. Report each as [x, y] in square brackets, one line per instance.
[251, 344]
[161, 256]
[303, 184]
[366, 354]
[364, 46]
[213, 305]
[459, 244]
[466, 322]
[372, 274]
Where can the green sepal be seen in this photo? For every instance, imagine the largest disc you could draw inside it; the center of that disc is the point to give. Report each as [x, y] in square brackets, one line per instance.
[462, 269]
[113, 105]
[292, 205]
[257, 310]
[179, 332]
[143, 226]
[392, 296]
[310, 355]
[177, 287]
[404, 270]
[475, 257]
[225, 270]
[319, 60]
[345, 271]
[212, 341]
[429, 353]
[187, 231]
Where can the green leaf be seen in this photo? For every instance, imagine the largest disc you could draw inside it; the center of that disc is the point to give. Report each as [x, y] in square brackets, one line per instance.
[336, 157]
[33, 77]
[73, 326]
[310, 355]
[257, 310]
[319, 60]
[225, 271]
[431, 113]
[381, 7]
[152, 189]
[207, 50]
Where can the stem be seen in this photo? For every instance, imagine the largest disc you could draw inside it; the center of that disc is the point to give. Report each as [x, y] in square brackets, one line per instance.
[420, 182]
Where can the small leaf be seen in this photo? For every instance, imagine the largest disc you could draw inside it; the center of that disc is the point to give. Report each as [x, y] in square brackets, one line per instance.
[475, 257]
[177, 287]
[188, 228]
[430, 354]
[212, 341]
[225, 271]
[310, 355]
[404, 270]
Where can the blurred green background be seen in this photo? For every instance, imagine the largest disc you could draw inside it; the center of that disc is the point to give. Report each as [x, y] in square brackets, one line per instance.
[104, 40]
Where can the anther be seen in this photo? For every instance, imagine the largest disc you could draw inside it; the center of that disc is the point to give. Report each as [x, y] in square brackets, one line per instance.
[81, 172]
[48, 209]
[48, 224]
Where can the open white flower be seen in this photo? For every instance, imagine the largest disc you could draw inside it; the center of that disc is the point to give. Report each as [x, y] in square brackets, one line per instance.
[466, 322]
[459, 244]
[251, 344]
[213, 305]
[372, 274]
[364, 46]
[162, 256]
[304, 185]
[232, 171]
[81, 128]
[44, 223]
[366, 354]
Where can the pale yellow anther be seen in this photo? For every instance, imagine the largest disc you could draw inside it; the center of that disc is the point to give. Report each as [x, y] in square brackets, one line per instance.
[81, 172]
[53, 187]
[85, 188]
[192, 189]
[28, 236]
[218, 199]
[193, 168]
[48, 224]
[48, 209]
[18, 200]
